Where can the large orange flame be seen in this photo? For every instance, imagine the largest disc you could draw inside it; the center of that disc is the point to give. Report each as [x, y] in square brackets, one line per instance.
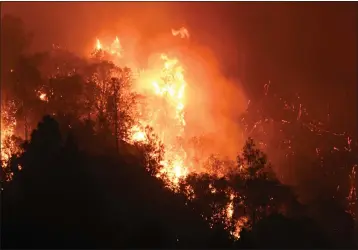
[164, 87]
[166, 97]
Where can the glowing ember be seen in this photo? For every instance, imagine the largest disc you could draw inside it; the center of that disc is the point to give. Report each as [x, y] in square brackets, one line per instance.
[242, 222]
[42, 96]
[352, 196]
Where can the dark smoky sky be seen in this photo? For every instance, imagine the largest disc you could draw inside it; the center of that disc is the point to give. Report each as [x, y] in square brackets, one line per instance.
[308, 48]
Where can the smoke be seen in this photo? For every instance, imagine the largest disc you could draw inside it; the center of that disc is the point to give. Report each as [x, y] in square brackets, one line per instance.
[213, 102]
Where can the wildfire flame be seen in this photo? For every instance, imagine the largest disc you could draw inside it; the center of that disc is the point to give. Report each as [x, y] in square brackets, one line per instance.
[114, 49]
[165, 104]
[182, 32]
[98, 45]
[8, 125]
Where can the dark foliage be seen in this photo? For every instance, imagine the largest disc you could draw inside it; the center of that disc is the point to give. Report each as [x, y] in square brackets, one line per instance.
[65, 197]
[278, 231]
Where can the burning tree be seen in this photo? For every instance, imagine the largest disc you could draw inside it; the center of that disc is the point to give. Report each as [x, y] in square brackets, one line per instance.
[241, 198]
[110, 99]
[10, 143]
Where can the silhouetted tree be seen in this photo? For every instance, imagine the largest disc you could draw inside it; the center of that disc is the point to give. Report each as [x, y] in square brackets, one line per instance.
[64, 197]
[278, 231]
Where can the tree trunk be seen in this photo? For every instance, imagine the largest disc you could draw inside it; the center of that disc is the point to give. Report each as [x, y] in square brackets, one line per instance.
[26, 127]
[253, 217]
[116, 118]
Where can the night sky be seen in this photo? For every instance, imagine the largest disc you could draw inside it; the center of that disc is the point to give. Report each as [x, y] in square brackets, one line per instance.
[309, 48]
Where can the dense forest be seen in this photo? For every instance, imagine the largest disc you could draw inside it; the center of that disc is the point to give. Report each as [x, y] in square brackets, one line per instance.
[73, 177]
